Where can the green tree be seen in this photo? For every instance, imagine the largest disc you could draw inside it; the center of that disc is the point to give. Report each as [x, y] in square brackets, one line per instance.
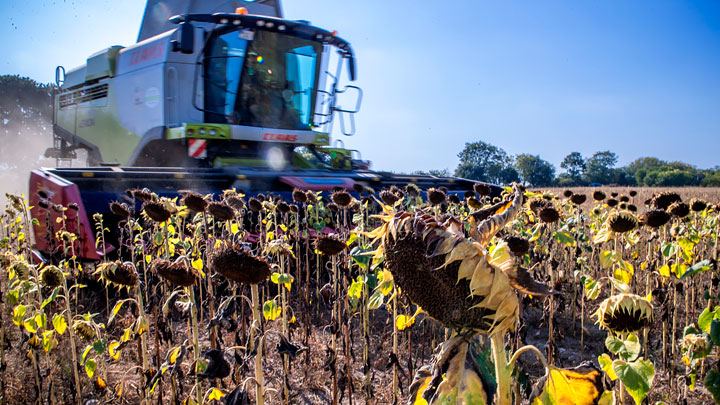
[599, 168]
[574, 165]
[483, 161]
[534, 171]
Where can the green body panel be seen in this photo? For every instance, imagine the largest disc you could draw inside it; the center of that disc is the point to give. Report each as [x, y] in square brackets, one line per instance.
[97, 122]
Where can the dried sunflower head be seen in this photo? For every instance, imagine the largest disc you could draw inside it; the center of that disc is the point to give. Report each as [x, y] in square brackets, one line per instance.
[283, 207]
[194, 201]
[474, 203]
[567, 193]
[655, 218]
[435, 196]
[278, 247]
[697, 204]
[21, 268]
[358, 188]
[255, 204]
[679, 209]
[633, 193]
[312, 197]
[664, 199]
[598, 195]
[612, 202]
[451, 277]
[239, 265]
[454, 199]
[51, 276]
[299, 196]
[330, 245]
[120, 209]
[84, 330]
[341, 198]
[624, 198]
[549, 215]
[235, 202]
[118, 273]
[177, 273]
[412, 190]
[482, 189]
[624, 313]
[517, 245]
[156, 211]
[388, 198]
[632, 208]
[578, 199]
[622, 222]
[221, 211]
[536, 204]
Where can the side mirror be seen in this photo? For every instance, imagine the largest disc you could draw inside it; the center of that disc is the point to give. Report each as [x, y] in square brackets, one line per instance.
[187, 39]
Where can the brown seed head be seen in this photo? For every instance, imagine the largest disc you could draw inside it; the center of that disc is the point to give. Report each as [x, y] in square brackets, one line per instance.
[235, 202]
[598, 195]
[330, 245]
[84, 330]
[255, 204]
[299, 196]
[611, 202]
[549, 215]
[624, 313]
[567, 193]
[194, 201]
[341, 198]
[697, 204]
[622, 222]
[435, 196]
[156, 211]
[655, 218]
[578, 199]
[482, 189]
[388, 197]
[664, 199]
[120, 209]
[518, 245]
[239, 265]
[51, 276]
[221, 211]
[679, 209]
[412, 190]
[177, 273]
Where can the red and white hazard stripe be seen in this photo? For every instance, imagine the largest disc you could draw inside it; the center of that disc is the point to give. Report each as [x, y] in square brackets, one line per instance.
[197, 148]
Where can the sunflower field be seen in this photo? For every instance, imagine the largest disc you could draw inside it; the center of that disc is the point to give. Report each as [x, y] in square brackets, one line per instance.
[361, 296]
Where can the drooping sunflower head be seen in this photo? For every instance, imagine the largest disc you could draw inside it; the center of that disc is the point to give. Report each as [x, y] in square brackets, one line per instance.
[664, 199]
[598, 195]
[299, 196]
[474, 203]
[283, 207]
[624, 198]
[517, 245]
[698, 205]
[549, 214]
[412, 190]
[255, 204]
[633, 193]
[120, 209]
[567, 193]
[679, 209]
[329, 245]
[194, 201]
[20, 267]
[612, 202]
[388, 197]
[119, 274]
[482, 189]
[624, 313]
[157, 211]
[655, 218]
[436, 196]
[238, 264]
[452, 277]
[277, 247]
[536, 204]
[622, 221]
[84, 330]
[221, 211]
[578, 199]
[178, 273]
[235, 202]
[341, 198]
[51, 276]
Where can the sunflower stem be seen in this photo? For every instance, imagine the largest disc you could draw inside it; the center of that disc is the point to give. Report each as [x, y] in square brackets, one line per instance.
[503, 369]
[259, 399]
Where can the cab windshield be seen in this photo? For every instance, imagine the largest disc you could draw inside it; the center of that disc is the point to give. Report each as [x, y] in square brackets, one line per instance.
[260, 79]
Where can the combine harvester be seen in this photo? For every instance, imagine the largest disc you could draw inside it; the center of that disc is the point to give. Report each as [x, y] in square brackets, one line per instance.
[211, 97]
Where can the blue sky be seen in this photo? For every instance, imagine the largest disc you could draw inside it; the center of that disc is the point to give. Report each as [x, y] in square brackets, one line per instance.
[640, 78]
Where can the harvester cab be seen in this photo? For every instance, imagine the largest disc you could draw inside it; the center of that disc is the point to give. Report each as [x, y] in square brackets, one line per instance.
[218, 90]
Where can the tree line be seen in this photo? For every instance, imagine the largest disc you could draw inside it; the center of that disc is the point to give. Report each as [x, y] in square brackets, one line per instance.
[483, 161]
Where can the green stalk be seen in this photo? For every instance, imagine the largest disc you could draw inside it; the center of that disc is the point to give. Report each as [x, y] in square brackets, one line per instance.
[73, 350]
[259, 399]
[503, 371]
[196, 344]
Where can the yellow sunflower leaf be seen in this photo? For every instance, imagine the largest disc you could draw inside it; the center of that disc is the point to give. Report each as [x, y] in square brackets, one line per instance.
[579, 386]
